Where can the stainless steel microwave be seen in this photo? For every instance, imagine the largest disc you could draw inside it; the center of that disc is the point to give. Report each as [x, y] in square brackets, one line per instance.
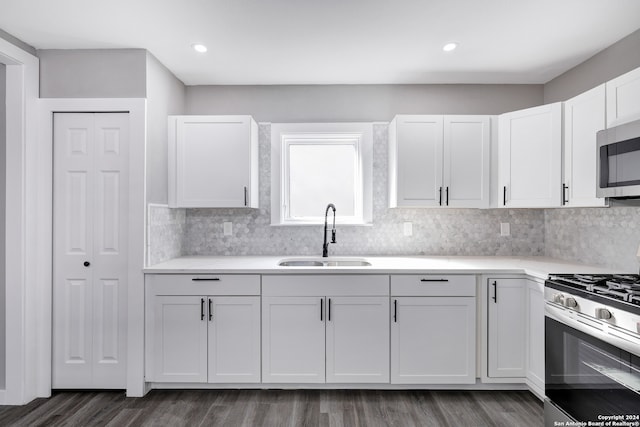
[619, 161]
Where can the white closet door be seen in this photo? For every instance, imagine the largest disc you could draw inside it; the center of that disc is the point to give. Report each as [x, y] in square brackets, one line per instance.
[90, 257]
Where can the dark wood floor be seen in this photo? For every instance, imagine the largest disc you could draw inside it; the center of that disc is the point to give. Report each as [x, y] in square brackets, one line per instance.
[255, 408]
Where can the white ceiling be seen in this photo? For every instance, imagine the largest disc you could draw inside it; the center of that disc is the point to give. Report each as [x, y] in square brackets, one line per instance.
[335, 41]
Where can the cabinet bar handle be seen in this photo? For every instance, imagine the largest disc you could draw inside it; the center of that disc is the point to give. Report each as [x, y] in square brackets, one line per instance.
[495, 291]
[564, 194]
[245, 196]
[329, 311]
[321, 309]
[210, 310]
[440, 198]
[504, 196]
[201, 308]
[447, 196]
[434, 280]
[205, 279]
[395, 310]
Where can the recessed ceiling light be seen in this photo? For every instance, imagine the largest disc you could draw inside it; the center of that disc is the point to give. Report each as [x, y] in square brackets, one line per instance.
[199, 47]
[449, 46]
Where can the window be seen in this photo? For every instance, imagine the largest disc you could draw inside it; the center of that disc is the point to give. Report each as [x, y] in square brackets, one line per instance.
[315, 164]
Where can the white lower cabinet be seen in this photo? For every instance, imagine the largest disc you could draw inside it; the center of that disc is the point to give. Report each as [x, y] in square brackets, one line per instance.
[325, 339]
[433, 329]
[332, 329]
[207, 339]
[507, 328]
[357, 340]
[212, 337]
[293, 344]
[535, 336]
[433, 340]
[180, 340]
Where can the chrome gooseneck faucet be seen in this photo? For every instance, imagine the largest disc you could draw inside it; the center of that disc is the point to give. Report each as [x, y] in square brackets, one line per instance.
[325, 244]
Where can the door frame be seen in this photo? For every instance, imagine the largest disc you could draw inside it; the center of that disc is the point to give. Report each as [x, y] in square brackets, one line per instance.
[136, 107]
[22, 261]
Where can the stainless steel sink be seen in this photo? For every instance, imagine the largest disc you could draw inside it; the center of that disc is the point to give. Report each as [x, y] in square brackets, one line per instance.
[300, 263]
[324, 263]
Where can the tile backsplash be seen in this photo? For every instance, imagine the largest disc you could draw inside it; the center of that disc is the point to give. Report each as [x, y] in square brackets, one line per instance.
[166, 233]
[602, 236]
[435, 231]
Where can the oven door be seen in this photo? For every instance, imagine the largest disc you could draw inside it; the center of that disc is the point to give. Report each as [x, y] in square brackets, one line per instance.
[589, 378]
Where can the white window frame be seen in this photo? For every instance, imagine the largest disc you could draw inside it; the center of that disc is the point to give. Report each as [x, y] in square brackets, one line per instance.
[283, 135]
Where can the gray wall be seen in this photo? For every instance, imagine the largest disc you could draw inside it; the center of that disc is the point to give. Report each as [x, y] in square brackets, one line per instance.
[602, 236]
[165, 96]
[612, 62]
[99, 73]
[3, 183]
[358, 102]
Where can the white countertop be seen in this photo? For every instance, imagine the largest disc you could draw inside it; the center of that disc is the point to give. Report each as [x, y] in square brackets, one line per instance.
[539, 267]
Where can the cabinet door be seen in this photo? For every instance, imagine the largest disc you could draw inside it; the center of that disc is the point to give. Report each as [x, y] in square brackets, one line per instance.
[416, 154]
[357, 340]
[535, 335]
[211, 161]
[584, 115]
[180, 339]
[433, 340]
[507, 328]
[623, 98]
[530, 152]
[293, 341]
[234, 339]
[466, 161]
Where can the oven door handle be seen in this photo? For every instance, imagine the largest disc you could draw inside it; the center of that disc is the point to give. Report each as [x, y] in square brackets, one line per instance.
[630, 344]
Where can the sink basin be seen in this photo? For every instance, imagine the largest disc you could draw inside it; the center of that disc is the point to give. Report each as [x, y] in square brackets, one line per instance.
[300, 263]
[329, 262]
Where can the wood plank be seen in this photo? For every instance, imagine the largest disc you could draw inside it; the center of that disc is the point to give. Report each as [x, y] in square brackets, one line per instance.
[229, 408]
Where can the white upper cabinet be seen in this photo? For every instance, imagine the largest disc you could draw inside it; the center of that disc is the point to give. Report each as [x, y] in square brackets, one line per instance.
[439, 161]
[213, 162]
[584, 116]
[623, 98]
[466, 171]
[529, 157]
[415, 161]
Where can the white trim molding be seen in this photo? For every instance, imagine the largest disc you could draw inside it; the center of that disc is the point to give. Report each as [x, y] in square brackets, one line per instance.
[21, 241]
[136, 107]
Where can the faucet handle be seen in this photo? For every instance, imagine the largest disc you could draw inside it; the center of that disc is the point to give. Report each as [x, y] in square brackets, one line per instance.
[333, 235]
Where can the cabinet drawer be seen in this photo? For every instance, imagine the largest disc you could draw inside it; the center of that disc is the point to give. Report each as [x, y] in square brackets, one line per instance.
[433, 285]
[203, 284]
[325, 284]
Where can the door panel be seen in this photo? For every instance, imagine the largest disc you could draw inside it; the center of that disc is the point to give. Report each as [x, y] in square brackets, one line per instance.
[234, 339]
[358, 340]
[90, 225]
[293, 340]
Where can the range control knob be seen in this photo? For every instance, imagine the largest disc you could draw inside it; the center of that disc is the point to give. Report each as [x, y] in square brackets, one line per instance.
[558, 299]
[570, 302]
[603, 314]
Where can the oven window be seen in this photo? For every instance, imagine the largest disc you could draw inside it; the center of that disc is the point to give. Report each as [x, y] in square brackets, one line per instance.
[619, 164]
[587, 377]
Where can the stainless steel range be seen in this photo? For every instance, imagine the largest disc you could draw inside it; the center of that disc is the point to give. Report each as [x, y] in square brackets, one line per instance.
[592, 349]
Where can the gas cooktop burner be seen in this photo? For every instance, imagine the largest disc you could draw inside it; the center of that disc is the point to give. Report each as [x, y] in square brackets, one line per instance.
[621, 287]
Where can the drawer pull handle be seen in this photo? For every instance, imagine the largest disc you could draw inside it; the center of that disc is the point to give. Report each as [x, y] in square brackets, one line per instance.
[321, 308]
[434, 280]
[395, 310]
[206, 279]
[210, 310]
[201, 308]
[495, 291]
